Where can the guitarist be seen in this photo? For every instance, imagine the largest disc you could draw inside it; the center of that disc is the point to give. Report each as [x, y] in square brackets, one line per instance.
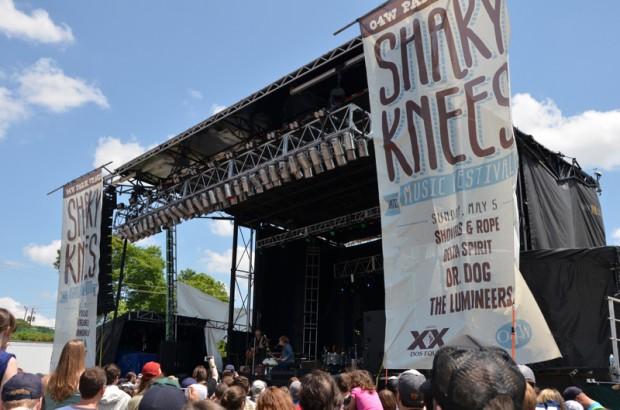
[258, 349]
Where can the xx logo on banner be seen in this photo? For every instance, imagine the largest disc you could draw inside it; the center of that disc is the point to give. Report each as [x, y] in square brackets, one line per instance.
[427, 339]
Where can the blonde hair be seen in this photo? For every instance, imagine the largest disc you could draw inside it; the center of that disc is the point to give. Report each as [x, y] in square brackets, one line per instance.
[529, 399]
[551, 395]
[66, 378]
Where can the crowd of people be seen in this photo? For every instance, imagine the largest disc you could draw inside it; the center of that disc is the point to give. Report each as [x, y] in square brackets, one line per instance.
[461, 379]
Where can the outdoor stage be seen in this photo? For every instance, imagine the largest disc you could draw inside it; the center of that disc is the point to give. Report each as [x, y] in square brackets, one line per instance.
[294, 166]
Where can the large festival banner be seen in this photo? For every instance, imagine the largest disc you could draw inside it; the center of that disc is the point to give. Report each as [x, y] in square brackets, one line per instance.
[76, 306]
[447, 167]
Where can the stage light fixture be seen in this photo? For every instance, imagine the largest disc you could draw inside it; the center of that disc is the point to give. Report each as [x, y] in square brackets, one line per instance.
[219, 192]
[349, 145]
[258, 187]
[173, 217]
[362, 148]
[134, 230]
[190, 207]
[305, 164]
[293, 125]
[198, 204]
[204, 200]
[212, 197]
[158, 221]
[326, 153]
[273, 174]
[237, 188]
[245, 185]
[264, 178]
[177, 212]
[143, 225]
[338, 152]
[150, 221]
[294, 167]
[163, 217]
[271, 135]
[319, 114]
[185, 213]
[284, 172]
[315, 158]
[228, 192]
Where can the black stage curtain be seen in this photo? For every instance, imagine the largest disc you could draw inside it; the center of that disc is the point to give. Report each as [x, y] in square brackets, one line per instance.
[570, 286]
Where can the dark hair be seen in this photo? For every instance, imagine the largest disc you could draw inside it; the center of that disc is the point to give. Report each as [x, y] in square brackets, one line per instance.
[7, 321]
[220, 389]
[388, 399]
[274, 398]
[91, 382]
[284, 339]
[233, 398]
[131, 377]
[242, 382]
[200, 373]
[343, 381]
[202, 405]
[112, 373]
[319, 392]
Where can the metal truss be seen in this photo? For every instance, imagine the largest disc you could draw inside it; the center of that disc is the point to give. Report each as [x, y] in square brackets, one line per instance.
[358, 267]
[282, 82]
[329, 140]
[320, 227]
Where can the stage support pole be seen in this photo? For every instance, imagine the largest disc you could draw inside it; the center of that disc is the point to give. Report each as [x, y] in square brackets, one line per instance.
[231, 298]
[121, 278]
[171, 283]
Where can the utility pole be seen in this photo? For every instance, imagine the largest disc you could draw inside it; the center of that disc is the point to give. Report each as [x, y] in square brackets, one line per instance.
[25, 313]
[30, 318]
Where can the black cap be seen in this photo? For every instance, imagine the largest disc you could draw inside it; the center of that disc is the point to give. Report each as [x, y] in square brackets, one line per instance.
[162, 397]
[469, 378]
[22, 386]
[571, 393]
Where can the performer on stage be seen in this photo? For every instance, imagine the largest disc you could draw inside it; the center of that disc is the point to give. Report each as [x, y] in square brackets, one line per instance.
[287, 357]
[259, 347]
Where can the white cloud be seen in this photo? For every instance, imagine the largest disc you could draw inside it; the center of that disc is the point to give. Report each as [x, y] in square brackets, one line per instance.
[215, 108]
[593, 137]
[113, 149]
[43, 254]
[221, 227]
[220, 262]
[36, 26]
[11, 110]
[195, 94]
[9, 264]
[615, 236]
[46, 85]
[18, 311]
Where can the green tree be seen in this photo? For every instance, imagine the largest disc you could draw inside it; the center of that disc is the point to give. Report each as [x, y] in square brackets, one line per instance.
[205, 283]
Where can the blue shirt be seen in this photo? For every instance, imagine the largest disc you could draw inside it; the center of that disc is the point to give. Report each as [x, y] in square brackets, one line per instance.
[595, 406]
[288, 356]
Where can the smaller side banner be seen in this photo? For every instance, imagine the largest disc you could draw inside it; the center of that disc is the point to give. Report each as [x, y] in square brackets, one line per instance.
[76, 305]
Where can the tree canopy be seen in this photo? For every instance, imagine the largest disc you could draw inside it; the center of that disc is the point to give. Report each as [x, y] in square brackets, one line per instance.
[205, 283]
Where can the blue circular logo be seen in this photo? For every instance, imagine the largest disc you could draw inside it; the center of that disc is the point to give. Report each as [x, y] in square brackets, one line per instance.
[523, 334]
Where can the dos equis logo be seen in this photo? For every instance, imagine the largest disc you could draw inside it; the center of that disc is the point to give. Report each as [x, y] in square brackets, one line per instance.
[425, 342]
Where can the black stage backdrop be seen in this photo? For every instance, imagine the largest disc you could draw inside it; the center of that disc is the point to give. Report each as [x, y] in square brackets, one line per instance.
[570, 286]
[562, 207]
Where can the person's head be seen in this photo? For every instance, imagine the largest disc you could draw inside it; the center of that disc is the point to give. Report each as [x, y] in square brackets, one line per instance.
[200, 373]
[343, 381]
[112, 374]
[258, 333]
[162, 397]
[528, 374]
[24, 390]
[294, 390]
[7, 327]
[131, 377]
[530, 398]
[392, 384]
[228, 380]
[242, 382]
[550, 396]
[319, 392]
[388, 400]
[233, 398]
[92, 384]
[202, 405]
[257, 388]
[274, 398]
[220, 389]
[283, 340]
[361, 379]
[65, 379]
[573, 405]
[470, 378]
[196, 392]
[408, 389]
[576, 394]
[150, 372]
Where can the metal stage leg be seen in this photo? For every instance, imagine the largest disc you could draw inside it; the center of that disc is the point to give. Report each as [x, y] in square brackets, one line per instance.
[241, 272]
[171, 281]
[311, 301]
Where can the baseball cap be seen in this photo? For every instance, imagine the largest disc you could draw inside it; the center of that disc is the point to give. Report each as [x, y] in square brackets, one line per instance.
[392, 383]
[188, 381]
[571, 393]
[151, 369]
[162, 397]
[230, 367]
[295, 389]
[409, 383]
[258, 386]
[573, 405]
[469, 378]
[527, 373]
[22, 386]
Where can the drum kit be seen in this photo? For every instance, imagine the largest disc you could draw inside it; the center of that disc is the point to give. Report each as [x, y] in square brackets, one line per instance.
[336, 362]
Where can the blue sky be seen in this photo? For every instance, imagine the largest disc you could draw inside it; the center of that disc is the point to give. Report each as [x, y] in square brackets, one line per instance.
[86, 82]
